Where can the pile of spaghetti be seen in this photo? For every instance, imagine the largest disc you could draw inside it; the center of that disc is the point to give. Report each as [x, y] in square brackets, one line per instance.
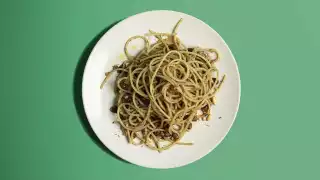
[163, 89]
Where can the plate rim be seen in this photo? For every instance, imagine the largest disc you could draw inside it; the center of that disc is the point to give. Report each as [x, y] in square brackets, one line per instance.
[119, 24]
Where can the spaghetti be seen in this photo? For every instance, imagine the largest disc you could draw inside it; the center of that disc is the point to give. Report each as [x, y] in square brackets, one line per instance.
[163, 89]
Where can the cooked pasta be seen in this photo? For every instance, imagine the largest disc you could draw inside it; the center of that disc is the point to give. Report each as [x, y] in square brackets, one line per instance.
[163, 89]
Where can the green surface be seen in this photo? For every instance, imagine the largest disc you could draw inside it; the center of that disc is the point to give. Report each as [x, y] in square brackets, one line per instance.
[275, 136]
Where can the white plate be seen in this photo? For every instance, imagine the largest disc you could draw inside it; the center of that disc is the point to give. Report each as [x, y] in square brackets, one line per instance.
[109, 51]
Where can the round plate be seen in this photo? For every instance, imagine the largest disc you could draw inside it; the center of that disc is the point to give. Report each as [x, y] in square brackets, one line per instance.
[205, 135]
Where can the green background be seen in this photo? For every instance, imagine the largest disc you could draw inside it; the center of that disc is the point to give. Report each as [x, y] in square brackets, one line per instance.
[43, 48]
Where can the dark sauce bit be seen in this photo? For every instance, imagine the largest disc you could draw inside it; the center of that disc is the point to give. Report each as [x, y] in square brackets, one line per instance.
[122, 117]
[115, 67]
[162, 134]
[214, 79]
[157, 80]
[157, 133]
[127, 98]
[144, 102]
[167, 134]
[157, 124]
[114, 109]
[175, 136]
[195, 118]
[172, 47]
[190, 126]
[190, 49]
[205, 109]
[124, 85]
